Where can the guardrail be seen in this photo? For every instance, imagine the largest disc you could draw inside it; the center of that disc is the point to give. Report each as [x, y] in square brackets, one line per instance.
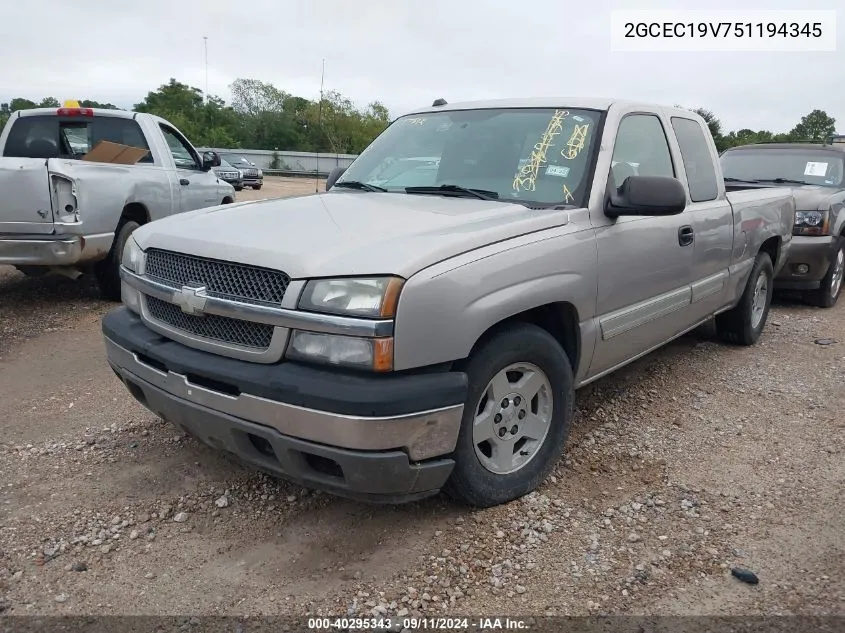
[289, 163]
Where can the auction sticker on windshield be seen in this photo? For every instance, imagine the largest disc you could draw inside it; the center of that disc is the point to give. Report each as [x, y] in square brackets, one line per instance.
[815, 169]
[557, 170]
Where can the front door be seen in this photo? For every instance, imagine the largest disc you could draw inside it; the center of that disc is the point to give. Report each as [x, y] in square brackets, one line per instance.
[197, 188]
[645, 263]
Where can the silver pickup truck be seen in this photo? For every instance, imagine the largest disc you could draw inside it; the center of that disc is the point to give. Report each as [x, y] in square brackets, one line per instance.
[816, 174]
[424, 323]
[63, 211]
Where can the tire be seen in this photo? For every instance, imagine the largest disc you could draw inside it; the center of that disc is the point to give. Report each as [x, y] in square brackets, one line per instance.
[831, 287]
[33, 271]
[239, 188]
[534, 352]
[257, 187]
[107, 271]
[744, 323]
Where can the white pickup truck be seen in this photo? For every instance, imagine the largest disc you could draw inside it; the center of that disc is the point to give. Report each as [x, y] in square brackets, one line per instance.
[63, 211]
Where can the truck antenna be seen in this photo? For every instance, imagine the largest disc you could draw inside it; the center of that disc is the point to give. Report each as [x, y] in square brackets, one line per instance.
[205, 48]
[319, 127]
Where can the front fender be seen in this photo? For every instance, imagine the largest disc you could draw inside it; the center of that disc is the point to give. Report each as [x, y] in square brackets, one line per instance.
[446, 308]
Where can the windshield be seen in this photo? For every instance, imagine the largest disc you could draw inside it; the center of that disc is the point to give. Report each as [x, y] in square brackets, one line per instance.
[236, 160]
[536, 155]
[813, 167]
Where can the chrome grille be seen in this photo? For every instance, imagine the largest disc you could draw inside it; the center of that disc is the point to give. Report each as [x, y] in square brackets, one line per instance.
[212, 326]
[228, 280]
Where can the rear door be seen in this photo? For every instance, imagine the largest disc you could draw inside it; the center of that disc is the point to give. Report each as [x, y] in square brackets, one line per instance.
[197, 188]
[711, 218]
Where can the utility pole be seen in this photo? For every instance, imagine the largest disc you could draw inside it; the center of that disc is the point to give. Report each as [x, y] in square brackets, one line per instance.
[205, 47]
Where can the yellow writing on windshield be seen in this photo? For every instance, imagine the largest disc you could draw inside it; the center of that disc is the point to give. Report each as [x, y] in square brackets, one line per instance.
[567, 195]
[576, 142]
[526, 176]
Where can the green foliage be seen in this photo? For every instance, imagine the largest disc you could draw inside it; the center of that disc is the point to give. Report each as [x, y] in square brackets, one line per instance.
[262, 116]
[816, 127]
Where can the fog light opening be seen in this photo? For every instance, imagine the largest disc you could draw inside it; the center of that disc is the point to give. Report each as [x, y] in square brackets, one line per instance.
[324, 465]
[262, 446]
[802, 269]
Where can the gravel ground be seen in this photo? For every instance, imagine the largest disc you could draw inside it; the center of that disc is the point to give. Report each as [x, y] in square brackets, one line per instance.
[696, 459]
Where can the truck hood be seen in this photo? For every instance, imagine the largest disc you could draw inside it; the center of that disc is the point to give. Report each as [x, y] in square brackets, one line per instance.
[816, 197]
[345, 233]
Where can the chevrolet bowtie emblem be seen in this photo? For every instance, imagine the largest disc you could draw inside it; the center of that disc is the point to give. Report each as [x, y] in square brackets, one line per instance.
[191, 299]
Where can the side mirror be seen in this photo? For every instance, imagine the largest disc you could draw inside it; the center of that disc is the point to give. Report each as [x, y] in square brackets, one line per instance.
[647, 195]
[334, 174]
[210, 160]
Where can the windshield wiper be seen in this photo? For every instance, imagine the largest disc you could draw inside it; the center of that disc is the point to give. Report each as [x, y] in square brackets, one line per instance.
[481, 194]
[777, 181]
[781, 181]
[355, 184]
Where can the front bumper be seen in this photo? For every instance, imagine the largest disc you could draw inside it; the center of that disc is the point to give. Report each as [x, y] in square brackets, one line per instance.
[816, 253]
[40, 252]
[375, 438]
[252, 181]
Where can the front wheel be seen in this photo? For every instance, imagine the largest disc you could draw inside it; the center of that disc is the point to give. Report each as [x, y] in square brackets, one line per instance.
[257, 187]
[744, 324]
[831, 287]
[516, 418]
[107, 271]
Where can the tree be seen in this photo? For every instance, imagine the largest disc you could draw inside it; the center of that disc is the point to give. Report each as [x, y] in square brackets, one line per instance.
[171, 97]
[206, 122]
[252, 97]
[21, 104]
[816, 127]
[88, 103]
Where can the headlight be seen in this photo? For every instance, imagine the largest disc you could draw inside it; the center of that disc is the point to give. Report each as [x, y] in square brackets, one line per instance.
[372, 297]
[374, 354]
[132, 255]
[809, 218]
[811, 222]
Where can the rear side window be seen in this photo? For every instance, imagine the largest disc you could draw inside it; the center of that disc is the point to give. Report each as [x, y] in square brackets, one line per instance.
[56, 137]
[698, 162]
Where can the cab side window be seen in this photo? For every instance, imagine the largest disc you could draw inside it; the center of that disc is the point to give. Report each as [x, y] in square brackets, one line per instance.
[183, 155]
[698, 162]
[641, 149]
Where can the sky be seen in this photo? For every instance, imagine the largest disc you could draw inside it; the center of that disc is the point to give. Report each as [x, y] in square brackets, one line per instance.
[403, 53]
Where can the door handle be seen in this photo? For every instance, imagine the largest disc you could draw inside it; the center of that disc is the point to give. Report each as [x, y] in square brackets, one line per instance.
[184, 181]
[686, 236]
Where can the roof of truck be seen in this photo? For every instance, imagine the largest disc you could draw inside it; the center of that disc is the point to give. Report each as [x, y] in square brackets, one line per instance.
[126, 114]
[833, 148]
[586, 103]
